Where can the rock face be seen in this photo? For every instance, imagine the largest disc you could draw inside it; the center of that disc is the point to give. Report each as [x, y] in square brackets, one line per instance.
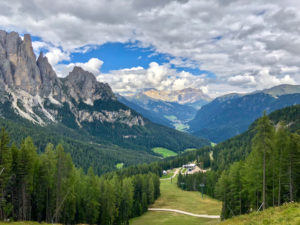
[18, 63]
[34, 91]
[84, 86]
[51, 84]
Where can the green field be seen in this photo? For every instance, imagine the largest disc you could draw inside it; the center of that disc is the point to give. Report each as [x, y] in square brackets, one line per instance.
[119, 165]
[171, 118]
[164, 152]
[181, 126]
[190, 149]
[288, 214]
[174, 198]
[213, 144]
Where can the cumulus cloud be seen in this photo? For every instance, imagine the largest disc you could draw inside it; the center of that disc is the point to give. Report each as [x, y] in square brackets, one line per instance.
[161, 77]
[242, 80]
[56, 55]
[93, 66]
[246, 44]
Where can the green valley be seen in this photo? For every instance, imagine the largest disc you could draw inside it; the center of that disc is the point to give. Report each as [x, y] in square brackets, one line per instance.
[164, 152]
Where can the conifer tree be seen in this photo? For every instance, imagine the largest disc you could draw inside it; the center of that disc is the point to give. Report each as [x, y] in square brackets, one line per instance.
[5, 171]
[262, 144]
[293, 165]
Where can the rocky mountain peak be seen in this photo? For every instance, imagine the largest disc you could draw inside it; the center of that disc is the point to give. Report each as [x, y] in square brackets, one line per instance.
[51, 84]
[18, 62]
[28, 46]
[83, 85]
[33, 90]
[45, 67]
[79, 75]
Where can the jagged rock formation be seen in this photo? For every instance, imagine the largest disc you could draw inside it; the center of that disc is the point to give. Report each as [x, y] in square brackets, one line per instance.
[83, 85]
[36, 93]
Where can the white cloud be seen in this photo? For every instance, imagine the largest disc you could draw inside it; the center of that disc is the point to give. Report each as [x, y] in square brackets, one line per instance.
[161, 77]
[93, 66]
[56, 55]
[248, 44]
[242, 80]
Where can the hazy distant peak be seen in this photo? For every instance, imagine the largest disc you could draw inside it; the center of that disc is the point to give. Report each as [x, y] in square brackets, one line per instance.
[283, 89]
[183, 96]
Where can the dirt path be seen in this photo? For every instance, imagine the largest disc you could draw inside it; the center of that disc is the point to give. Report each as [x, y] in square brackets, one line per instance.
[174, 175]
[186, 213]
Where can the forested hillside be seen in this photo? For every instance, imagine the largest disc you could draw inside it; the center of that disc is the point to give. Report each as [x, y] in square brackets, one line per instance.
[86, 151]
[257, 169]
[102, 150]
[48, 187]
[269, 176]
[237, 148]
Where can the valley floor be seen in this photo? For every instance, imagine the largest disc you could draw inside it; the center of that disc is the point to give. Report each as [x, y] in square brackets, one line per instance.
[174, 198]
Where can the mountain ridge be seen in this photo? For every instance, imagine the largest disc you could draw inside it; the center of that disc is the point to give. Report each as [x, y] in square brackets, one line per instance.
[230, 115]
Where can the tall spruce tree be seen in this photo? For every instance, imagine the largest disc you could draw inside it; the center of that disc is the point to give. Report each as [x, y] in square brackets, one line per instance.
[262, 144]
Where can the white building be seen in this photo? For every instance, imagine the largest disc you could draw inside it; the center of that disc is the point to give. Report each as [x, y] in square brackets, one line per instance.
[189, 166]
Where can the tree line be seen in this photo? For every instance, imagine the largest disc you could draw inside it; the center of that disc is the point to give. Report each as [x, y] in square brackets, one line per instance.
[269, 175]
[48, 187]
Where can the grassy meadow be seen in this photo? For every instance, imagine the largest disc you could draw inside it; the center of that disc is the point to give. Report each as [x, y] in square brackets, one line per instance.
[174, 198]
[164, 152]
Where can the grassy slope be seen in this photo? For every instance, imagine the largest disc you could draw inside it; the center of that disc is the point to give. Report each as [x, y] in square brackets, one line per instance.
[174, 198]
[288, 214]
[190, 149]
[119, 165]
[164, 152]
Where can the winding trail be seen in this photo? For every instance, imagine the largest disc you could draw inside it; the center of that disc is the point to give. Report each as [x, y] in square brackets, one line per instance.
[186, 213]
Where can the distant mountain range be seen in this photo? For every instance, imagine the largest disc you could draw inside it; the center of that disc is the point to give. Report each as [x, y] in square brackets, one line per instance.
[192, 111]
[77, 107]
[188, 96]
[230, 115]
[174, 109]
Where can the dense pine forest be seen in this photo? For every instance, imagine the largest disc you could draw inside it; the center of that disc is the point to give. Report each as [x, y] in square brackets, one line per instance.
[48, 187]
[255, 170]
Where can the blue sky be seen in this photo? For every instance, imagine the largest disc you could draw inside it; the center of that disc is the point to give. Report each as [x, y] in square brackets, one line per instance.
[117, 56]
